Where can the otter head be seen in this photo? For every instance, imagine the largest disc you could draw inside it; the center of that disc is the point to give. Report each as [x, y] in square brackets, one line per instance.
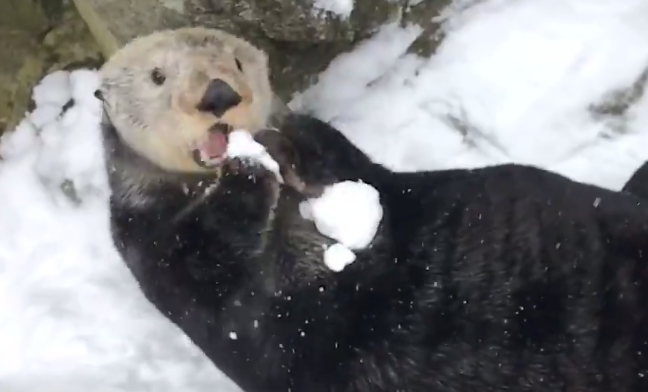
[169, 95]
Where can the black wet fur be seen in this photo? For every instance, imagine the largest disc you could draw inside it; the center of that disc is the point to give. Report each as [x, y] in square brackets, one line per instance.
[638, 182]
[506, 278]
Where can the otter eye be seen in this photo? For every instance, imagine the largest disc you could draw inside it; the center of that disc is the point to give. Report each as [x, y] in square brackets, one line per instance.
[157, 76]
[238, 64]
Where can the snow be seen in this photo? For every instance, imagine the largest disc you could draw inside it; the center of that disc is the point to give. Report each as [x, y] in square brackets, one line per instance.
[338, 256]
[343, 8]
[518, 76]
[72, 318]
[348, 212]
[513, 81]
[241, 144]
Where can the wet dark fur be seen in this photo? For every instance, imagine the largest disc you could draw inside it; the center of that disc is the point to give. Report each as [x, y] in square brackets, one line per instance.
[638, 182]
[507, 278]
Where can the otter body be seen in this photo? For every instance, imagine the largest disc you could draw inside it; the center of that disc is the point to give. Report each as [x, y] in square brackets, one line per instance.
[502, 278]
[506, 278]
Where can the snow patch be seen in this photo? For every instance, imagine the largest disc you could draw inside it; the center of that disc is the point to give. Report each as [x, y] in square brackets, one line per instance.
[72, 317]
[512, 81]
[342, 8]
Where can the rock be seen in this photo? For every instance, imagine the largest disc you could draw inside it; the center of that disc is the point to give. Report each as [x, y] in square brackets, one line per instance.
[25, 15]
[116, 22]
[36, 45]
[303, 21]
[615, 106]
[302, 39]
[70, 45]
[21, 63]
[423, 14]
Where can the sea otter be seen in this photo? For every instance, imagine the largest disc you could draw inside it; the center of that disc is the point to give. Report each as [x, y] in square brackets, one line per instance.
[504, 278]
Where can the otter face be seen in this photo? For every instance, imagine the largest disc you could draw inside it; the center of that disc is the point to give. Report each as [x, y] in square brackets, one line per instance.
[168, 95]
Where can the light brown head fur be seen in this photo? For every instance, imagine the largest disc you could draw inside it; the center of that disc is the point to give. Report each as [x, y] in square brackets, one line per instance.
[161, 121]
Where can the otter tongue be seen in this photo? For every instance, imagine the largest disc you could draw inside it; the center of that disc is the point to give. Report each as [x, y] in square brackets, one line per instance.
[215, 146]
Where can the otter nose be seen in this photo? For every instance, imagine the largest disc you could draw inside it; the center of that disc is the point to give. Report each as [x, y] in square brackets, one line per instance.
[219, 98]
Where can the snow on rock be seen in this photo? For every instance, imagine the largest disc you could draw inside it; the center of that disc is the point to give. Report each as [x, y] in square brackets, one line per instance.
[348, 212]
[242, 145]
[343, 8]
[512, 81]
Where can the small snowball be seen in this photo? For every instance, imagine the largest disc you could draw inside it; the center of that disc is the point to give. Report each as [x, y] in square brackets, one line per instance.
[233, 335]
[349, 212]
[338, 256]
[241, 144]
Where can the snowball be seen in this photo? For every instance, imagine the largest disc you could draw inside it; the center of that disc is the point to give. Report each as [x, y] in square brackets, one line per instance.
[241, 144]
[348, 212]
[338, 256]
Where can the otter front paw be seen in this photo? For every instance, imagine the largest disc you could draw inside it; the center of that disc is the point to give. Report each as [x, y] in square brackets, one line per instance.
[242, 145]
[247, 187]
[283, 152]
[243, 170]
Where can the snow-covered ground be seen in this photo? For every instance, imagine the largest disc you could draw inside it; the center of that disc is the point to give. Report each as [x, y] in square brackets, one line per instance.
[514, 80]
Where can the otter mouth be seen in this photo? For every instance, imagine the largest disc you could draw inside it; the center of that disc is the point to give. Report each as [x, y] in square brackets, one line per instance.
[213, 150]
